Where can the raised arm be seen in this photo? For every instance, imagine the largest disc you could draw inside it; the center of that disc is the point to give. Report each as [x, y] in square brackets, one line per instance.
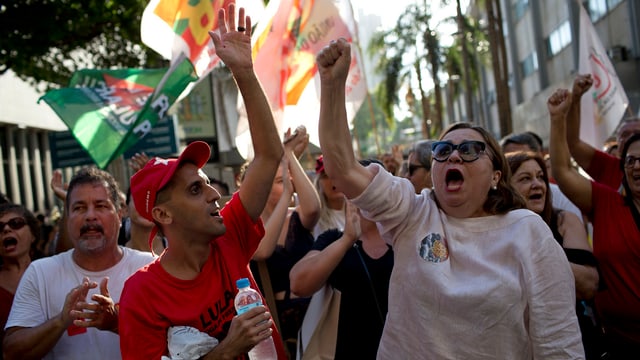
[580, 150]
[275, 222]
[335, 140]
[234, 49]
[312, 271]
[575, 186]
[308, 199]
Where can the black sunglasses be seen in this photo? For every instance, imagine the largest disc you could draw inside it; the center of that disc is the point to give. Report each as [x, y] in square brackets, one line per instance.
[413, 167]
[15, 223]
[630, 161]
[469, 150]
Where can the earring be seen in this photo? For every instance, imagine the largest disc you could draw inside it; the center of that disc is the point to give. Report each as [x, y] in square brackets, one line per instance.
[495, 187]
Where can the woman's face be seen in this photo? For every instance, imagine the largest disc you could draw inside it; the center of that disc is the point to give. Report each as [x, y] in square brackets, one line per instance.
[15, 236]
[528, 179]
[632, 168]
[276, 189]
[335, 198]
[462, 187]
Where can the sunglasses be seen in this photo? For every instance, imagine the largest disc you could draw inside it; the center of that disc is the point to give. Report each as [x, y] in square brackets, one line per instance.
[15, 223]
[630, 161]
[413, 167]
[469, 150]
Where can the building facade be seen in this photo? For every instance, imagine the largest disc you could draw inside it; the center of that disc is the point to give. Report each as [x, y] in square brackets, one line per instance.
[542, 47]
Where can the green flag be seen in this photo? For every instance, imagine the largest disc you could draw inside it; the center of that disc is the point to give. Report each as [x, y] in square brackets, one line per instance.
[108, 111]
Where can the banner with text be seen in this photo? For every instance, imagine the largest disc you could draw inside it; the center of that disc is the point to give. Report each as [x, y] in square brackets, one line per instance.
[108, 111]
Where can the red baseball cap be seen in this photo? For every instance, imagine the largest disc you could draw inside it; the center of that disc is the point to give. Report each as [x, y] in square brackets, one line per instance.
[146, 182]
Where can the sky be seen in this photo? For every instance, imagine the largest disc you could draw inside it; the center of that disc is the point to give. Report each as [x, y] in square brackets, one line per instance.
[388, 13]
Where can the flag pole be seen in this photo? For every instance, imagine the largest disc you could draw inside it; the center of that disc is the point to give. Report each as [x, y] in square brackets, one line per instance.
[356, 42]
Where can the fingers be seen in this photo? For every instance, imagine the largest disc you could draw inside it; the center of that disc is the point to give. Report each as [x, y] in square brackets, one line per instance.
[231, 18]
[241, 20]
[103, 287]
[332, 52]
[247, 20]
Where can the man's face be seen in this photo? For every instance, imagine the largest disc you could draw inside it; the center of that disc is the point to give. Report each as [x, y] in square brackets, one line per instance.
[193, 204]
[94, 220]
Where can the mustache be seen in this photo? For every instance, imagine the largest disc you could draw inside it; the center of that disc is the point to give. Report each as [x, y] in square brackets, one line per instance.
[91, 227]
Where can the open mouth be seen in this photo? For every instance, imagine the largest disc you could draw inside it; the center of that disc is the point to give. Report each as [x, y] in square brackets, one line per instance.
[535, 197]
[91, 229]
[453, 179]
[10, 241]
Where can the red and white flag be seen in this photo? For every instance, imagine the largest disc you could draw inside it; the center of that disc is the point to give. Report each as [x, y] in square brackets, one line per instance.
[285, 45]
[603, 106]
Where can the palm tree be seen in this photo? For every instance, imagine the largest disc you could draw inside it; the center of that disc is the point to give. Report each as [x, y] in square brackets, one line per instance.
[465, 57]
[500, 65]
[411, 35]
[462, 30]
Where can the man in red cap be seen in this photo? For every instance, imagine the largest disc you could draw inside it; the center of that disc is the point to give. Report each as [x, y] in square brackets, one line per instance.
[192, 284]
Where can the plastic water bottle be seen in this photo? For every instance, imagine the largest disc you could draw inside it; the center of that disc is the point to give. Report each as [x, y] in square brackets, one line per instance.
[246, 299]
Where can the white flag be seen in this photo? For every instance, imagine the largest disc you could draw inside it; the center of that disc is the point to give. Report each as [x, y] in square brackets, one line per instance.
[603, 106]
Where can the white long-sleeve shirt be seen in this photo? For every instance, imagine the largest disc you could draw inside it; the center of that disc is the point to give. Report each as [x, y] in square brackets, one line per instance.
[494, 287]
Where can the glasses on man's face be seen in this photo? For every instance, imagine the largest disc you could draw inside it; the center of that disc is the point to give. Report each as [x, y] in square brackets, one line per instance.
[630, 161]
[469, 150]
[15, 223]
[414, 167]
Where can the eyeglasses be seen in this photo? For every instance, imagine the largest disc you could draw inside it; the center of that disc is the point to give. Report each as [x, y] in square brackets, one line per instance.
[630, 161]
[469, 150]
[413, 167]
[15, 223]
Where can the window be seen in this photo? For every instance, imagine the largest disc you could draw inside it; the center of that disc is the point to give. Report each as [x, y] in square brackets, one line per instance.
[599, 8]
[529, 65]
[519, 8]
[559, 39]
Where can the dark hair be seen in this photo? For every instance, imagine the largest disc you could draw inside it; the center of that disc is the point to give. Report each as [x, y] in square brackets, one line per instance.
[422, 149]
[32, 221]
[628, 196]
[367, 162]
[516, 159]
[93, 175]
[505, 198]
[527, 138]
[536, 137]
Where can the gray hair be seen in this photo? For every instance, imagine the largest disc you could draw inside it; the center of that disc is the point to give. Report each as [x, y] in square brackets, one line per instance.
[422, 149]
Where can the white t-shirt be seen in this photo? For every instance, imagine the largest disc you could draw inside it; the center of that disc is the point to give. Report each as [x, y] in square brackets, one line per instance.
[42, 291]
[493, 287]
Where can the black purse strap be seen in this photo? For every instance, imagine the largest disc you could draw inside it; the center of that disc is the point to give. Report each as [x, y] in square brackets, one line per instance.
[373, 290]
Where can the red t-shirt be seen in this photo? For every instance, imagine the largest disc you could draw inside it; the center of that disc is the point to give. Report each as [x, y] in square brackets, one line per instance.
[152, 300]
[616, 245]
[605, 169]
[6, 299]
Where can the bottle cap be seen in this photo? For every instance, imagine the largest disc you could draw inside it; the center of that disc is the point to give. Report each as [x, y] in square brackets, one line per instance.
[242, 283]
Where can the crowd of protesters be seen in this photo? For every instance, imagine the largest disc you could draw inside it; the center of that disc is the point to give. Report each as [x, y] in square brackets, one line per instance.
[461, 247]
